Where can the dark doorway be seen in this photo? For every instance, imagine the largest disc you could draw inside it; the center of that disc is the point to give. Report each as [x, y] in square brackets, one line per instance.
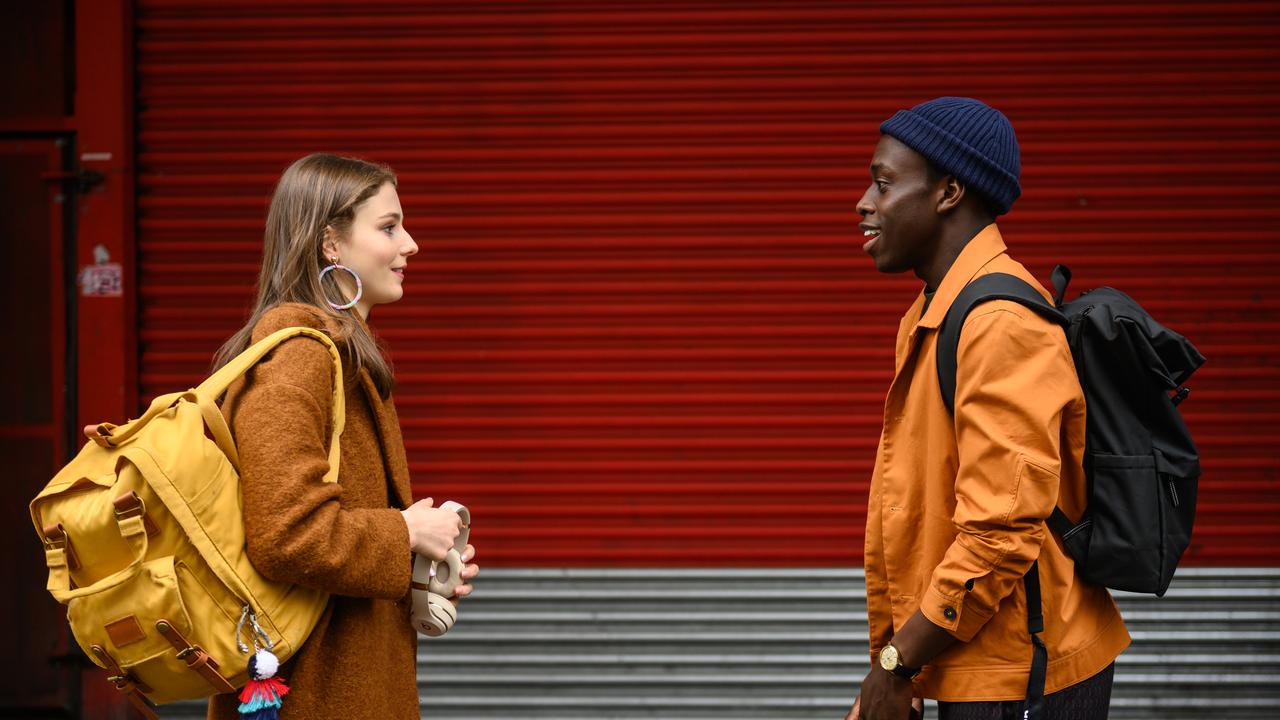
[34, 421]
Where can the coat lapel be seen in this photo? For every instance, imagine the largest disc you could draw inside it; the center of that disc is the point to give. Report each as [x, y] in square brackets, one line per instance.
[392, 443]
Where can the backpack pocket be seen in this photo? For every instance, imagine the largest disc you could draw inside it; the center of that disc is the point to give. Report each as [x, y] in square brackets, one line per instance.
[122, 618]
[1178, 484]
[1127, 508]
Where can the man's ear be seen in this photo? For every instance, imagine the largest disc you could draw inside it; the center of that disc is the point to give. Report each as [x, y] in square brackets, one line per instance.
[952, 193]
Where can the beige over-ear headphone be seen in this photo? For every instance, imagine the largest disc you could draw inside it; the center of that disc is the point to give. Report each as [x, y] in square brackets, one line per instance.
[434, 582]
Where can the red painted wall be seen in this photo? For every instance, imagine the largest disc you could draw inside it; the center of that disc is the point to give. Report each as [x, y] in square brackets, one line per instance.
[67, 70]
[106, 325]
[641, 330]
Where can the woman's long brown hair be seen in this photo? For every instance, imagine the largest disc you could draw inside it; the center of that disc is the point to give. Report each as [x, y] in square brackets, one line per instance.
[317, 192]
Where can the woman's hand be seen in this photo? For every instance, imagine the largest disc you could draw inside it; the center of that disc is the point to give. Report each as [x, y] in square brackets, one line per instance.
[468, 571]
[432, 531]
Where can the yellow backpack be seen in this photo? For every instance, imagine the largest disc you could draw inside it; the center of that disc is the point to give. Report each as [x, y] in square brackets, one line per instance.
[145, 542]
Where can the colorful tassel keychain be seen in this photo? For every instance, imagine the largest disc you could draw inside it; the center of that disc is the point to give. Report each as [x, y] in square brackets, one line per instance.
[263, 695]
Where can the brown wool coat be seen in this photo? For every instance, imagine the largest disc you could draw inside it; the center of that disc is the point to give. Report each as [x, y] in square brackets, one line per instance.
[347, 538]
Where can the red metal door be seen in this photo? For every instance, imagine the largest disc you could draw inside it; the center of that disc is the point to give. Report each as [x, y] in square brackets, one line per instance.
[34, 429]
[641, 330]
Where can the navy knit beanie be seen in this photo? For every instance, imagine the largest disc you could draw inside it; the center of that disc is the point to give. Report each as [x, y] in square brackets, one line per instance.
[965, 138]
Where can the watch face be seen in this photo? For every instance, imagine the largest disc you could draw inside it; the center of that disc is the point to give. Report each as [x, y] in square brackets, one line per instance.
[889, 658]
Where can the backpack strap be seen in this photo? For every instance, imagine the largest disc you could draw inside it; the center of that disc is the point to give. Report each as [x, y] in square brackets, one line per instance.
[1060, 524]
[196, 658]
[1002, 286]
[206, 395]
[208, 392]
[995, 286]
[1061, 279]
[1033, 706]
[126, 683]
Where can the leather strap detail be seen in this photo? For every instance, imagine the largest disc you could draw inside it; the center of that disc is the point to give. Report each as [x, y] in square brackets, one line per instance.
[906, 673]
[195, 657]
[101, 434]
[130, 505]
[56, 537]
[126, 684]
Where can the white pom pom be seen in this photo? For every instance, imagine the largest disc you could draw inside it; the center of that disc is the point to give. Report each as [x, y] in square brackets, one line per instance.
[265, 664]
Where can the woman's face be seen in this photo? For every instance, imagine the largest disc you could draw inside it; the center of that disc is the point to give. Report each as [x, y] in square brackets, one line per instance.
[377, 249]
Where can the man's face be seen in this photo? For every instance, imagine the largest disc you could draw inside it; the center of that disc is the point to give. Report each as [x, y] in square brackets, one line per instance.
[900, 209]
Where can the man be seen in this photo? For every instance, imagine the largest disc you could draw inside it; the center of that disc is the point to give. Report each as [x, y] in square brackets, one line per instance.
[956, 512]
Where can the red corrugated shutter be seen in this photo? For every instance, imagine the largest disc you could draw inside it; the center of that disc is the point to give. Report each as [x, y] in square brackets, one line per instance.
[641, 330]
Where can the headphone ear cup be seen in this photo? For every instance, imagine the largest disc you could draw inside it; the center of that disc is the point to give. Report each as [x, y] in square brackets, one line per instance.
[447, 576]
[432, 614]
[439, 618]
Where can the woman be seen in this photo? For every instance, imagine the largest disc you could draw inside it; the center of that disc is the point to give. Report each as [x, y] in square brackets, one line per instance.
[335, 246]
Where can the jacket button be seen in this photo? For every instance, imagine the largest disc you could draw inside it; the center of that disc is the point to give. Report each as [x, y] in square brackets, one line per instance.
[949, 613]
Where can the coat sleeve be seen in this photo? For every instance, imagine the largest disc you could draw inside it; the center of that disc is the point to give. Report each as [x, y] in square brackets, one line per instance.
[1015, 380]
[296, 527]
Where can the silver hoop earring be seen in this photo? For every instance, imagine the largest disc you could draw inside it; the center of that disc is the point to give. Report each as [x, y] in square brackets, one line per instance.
[359, 286]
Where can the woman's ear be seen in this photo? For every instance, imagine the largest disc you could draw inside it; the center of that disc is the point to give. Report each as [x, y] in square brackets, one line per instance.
[952, 193]
[329, 246]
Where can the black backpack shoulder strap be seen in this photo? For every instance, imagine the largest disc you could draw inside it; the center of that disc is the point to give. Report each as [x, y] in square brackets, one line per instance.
[1033, 706]
[994, 286]
[1002, 286]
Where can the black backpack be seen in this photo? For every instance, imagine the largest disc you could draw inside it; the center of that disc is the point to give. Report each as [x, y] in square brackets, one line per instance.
[1140, 462]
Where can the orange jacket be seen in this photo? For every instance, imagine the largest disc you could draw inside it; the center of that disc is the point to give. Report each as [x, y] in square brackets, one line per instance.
[957, 506]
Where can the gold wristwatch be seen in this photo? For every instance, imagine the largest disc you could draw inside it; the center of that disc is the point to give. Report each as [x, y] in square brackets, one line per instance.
[890, 660]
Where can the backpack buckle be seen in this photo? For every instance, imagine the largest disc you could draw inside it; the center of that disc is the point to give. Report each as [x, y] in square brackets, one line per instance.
[202, 664]
[185, 653]
[129, 505]
[56, 538]
[129, 686]
[118, 676]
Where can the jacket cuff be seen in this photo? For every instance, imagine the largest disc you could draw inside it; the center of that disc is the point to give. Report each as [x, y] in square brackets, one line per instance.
[958, 615]
[399, 566]
[406, 582]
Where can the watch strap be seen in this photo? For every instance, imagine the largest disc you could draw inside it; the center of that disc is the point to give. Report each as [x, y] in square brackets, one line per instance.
[904, 672]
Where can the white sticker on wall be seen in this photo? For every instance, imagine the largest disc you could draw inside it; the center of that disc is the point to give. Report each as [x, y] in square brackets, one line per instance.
[102, 280]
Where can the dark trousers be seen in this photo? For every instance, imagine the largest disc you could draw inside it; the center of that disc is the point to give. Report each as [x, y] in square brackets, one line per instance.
[1086, 700]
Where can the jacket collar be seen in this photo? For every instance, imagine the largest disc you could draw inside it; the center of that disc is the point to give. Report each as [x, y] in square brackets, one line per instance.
[391, 442]
[986, 246]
